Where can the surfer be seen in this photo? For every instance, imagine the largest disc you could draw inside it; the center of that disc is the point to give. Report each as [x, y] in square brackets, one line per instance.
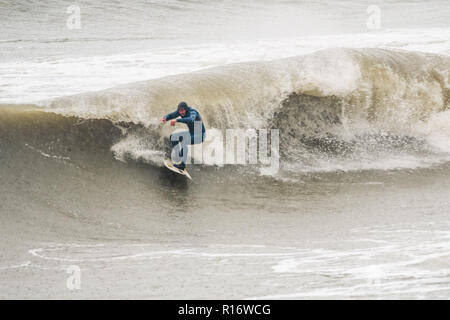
[193, 120]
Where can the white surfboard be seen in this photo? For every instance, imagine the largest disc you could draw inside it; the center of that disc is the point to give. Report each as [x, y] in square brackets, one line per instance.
[169, 165]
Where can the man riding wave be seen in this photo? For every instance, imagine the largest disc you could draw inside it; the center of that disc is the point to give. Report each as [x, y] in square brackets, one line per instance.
[193, 120]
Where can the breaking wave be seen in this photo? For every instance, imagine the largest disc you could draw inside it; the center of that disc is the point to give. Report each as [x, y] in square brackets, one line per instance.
[336, 109]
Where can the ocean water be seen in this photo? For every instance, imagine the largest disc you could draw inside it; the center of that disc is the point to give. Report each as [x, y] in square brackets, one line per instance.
[357, 208]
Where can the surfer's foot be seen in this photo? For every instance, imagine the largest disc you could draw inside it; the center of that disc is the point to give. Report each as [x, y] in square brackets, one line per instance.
[180, 166]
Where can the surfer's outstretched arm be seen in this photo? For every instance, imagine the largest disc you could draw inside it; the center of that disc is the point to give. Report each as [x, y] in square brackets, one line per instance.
[171, 116]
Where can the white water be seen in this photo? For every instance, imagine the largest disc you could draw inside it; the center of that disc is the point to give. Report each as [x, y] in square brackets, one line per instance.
[118, 43]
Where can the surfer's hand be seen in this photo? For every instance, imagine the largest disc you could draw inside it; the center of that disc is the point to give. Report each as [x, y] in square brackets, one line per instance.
[172, 122]
[162, 120]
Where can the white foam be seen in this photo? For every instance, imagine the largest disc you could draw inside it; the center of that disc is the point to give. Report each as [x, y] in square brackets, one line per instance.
[46, 154]
[22, 265]
[34, 80]
[385, 261]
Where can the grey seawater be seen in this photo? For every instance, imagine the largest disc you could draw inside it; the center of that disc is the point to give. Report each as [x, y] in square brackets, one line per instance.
[33, 30]
[136, 231]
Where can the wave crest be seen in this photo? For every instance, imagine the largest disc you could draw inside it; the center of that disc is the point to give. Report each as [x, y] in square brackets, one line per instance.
[353, 102]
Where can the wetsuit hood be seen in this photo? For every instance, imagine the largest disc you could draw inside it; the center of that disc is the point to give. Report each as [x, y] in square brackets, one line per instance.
[183, 105]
